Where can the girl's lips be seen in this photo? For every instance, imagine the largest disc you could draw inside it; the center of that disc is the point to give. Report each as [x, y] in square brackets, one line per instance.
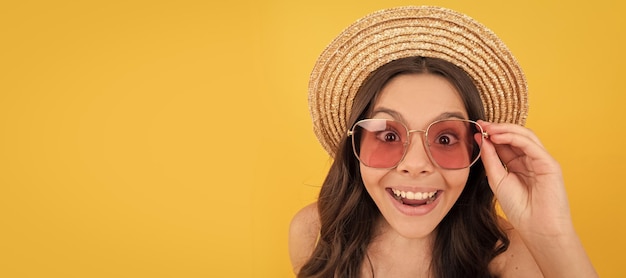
[414, 203]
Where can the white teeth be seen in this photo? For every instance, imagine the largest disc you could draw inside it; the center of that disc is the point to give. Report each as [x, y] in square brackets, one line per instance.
[411, 196]
[414, 195]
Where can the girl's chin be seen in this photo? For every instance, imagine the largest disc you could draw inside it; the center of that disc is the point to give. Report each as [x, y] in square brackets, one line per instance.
[420, 232]
[415, 221]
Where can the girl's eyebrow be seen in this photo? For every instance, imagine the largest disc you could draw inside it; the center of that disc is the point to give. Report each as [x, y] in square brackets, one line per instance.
[448, 115]
[393, 113]
[397, 116]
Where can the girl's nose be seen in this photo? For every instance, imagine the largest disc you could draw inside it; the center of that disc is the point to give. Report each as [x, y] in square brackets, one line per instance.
[416, 160]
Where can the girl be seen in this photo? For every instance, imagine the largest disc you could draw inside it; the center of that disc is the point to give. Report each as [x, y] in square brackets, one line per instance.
[400, 100]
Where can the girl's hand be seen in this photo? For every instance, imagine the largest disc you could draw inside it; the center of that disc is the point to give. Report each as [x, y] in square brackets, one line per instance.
[526, 180]
[529, 186]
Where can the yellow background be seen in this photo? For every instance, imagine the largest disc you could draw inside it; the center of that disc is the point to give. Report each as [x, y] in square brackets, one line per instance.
[172, 139]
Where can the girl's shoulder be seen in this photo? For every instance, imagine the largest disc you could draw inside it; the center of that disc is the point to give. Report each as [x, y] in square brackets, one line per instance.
[516, 261]
[303, 233]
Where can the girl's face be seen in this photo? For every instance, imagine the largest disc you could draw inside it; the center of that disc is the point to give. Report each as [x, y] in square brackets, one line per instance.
[416, 100]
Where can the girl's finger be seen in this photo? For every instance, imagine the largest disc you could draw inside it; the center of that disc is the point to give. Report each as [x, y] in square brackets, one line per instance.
[496, 128]
[512, 146]
[519, 145]
[496, 171]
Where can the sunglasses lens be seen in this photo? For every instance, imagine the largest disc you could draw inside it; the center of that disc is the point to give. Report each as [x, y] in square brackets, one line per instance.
[379, 143]
[454, 144]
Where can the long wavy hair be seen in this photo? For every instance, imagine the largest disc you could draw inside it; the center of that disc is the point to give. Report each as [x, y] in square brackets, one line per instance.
[467, 238]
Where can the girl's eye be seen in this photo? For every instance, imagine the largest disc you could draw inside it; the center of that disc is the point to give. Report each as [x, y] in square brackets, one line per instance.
[388, 136]
[446, 139]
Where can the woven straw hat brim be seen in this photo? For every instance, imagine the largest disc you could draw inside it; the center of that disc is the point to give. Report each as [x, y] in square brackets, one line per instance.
[391, 34]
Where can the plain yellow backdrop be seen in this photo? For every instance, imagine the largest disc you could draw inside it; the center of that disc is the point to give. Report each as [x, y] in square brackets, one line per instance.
[172, 138]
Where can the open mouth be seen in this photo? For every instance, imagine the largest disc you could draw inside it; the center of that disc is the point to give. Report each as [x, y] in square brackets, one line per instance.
[414, 199]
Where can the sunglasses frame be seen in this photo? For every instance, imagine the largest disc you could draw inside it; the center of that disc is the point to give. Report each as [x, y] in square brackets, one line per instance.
[425, 143]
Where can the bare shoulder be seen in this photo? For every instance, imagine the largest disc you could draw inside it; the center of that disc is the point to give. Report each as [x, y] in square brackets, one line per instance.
[303, 233]
[516, 261]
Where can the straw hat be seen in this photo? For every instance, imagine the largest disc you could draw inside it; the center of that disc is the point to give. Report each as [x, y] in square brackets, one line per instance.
[390, 34]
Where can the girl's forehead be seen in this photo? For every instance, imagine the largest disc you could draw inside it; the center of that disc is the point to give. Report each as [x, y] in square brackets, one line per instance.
[419, 93]
[417, 100]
